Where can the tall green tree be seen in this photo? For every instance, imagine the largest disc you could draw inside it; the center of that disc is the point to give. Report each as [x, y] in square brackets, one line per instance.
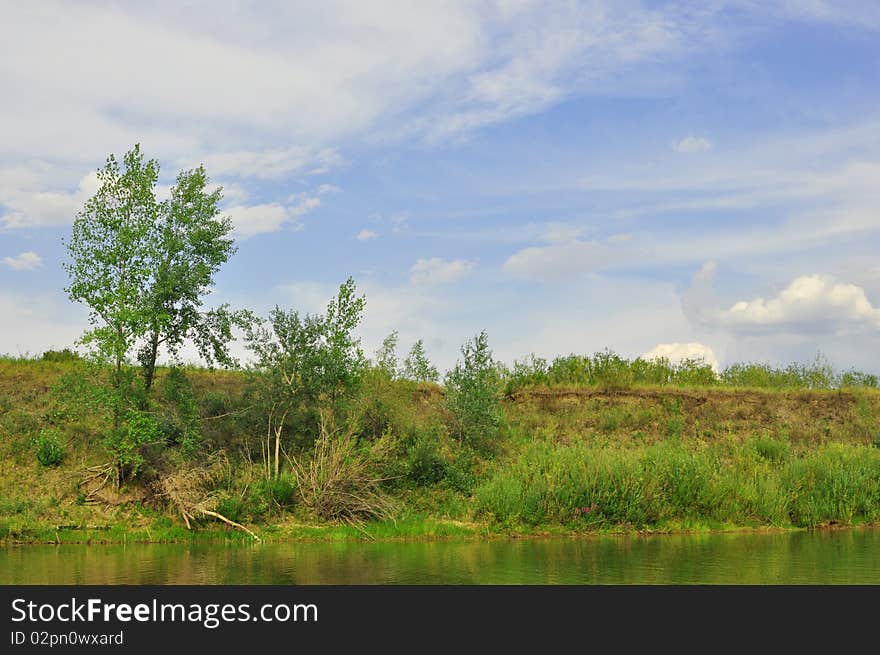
[143, 268]
[192, 243]
[112, 254]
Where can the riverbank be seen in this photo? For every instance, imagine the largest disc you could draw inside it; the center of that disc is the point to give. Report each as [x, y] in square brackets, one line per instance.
[566, 461]
[409, 529]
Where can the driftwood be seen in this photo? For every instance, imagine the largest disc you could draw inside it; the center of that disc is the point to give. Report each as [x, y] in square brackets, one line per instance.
[190, 492]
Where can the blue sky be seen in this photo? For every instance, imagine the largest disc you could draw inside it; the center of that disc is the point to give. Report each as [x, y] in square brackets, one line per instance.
[645, 176]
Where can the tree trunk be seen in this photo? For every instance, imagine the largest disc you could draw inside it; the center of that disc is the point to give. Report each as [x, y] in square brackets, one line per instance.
[150, 371]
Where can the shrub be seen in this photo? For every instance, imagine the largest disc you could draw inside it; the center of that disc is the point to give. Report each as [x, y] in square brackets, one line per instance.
[139, 429]
[425, 465]
[180, 418]
[473, 394]
[65, 355]
[858, 379]
[48, 448]
[336, 481]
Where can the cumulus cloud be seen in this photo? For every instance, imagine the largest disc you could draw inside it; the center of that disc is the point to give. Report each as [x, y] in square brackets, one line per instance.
[809, 304]
[24, 261]
[692, 144]
[439, 271]
[250, 220]
[366, 235]
[809, 301]
[677, 352]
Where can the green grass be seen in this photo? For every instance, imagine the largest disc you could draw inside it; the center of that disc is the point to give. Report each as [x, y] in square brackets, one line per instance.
[761, 482]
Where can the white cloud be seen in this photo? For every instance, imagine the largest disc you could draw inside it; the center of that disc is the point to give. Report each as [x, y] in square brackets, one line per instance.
[328, 188]
[256, 219]
[30, 206]
[559, 260]
[25, 261]
[676, 352]
[37, 322]
[438, 271]
[808, 302]
[303, 203]
[692, 144]
[272, 164]
[250, 220]
[366, 235]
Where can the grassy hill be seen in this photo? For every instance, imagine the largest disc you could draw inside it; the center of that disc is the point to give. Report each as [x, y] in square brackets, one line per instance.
[567, 458]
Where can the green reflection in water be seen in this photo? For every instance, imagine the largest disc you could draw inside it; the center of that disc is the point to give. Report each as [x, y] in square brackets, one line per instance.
[838, 557]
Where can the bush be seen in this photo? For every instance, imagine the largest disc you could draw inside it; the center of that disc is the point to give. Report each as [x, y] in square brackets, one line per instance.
[65, 355]
[473, 394]
[180, 413]
[48, 448]
[139, 430]
[425, 465]
[337, 481]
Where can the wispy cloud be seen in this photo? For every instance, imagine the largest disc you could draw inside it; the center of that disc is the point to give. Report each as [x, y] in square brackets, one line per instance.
[366, 235]
[693, 144]
[439, 271]
[24, 261]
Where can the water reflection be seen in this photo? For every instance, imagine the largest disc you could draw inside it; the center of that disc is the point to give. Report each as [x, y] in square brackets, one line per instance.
[840, 557]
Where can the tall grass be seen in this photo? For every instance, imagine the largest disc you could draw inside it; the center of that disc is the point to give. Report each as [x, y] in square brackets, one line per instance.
[668, 484]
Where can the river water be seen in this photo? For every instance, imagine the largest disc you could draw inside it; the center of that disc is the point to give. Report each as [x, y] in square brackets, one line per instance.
[820, 557]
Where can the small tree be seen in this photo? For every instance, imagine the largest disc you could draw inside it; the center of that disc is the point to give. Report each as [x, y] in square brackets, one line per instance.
[417, 367]
[473, 393]
[386, 356]
[306, 365]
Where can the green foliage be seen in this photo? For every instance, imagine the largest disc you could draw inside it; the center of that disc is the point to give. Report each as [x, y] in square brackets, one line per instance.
[180, 413]
[529, 372]
[386, 356]
[425, 464]
[139, 429]
[65, 355]
[112, 249]
[142, 266]
[308, 366]
[607, 370]
[48, 448]
[473, 394]
[610, 371]
[416, 366]
[858, 379]
[816, 375]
